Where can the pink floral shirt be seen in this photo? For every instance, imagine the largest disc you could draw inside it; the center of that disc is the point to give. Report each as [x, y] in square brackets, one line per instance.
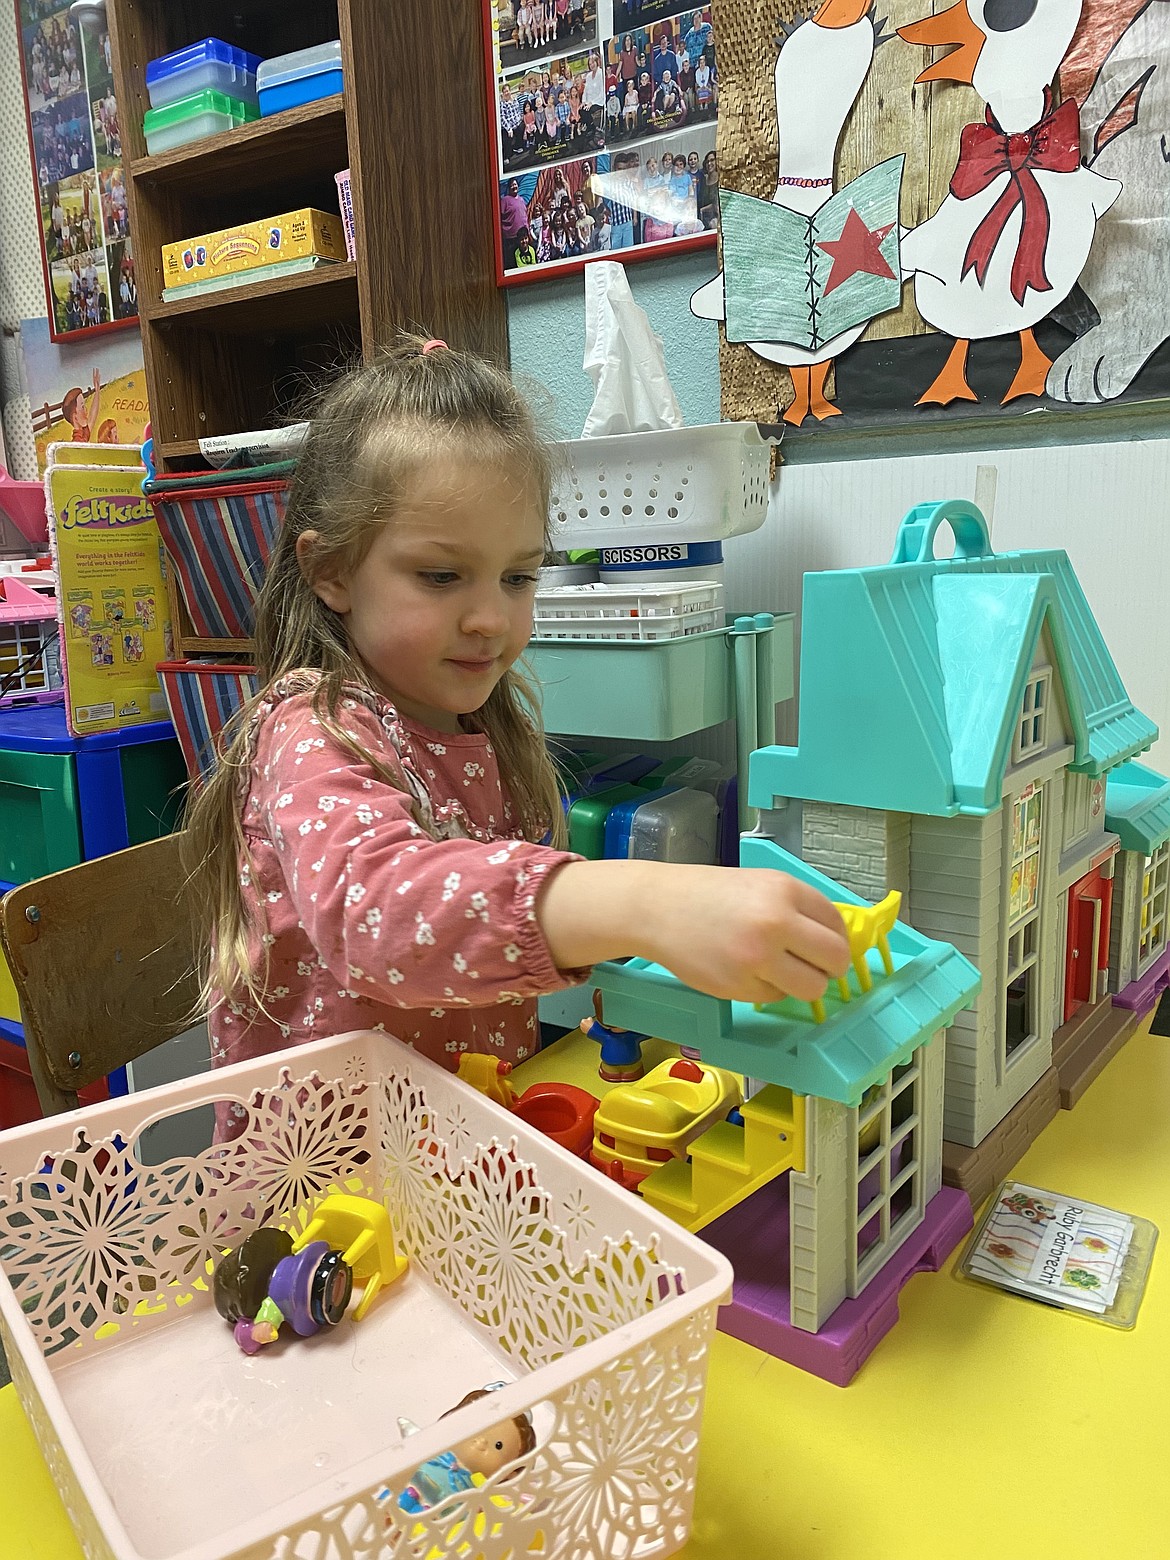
[369, 920]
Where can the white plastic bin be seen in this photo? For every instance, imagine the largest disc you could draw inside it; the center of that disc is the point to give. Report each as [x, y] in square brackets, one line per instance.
[526, 1266]
[679, 485]
[616, 612]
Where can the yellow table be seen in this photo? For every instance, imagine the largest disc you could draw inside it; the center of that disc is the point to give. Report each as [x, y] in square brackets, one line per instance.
[982, 1428]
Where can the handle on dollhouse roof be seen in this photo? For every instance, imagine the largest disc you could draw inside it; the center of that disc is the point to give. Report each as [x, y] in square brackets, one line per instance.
[915, 543]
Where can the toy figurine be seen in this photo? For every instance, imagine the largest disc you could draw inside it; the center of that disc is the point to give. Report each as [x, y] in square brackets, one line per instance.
[621, 1049]
[470, 1462]
[307, 1282]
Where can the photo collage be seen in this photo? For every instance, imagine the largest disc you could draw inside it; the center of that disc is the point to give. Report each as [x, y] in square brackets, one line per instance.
[606, 127]
[77, 156]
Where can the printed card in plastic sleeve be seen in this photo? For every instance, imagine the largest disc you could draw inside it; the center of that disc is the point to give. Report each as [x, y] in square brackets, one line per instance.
[1063, 1252]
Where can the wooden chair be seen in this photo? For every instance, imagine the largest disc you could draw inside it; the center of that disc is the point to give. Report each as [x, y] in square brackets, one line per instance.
[103, 959]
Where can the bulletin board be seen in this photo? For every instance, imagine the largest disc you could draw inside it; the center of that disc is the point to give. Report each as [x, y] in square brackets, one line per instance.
[604, 117]
[75, 141]
[951, 267]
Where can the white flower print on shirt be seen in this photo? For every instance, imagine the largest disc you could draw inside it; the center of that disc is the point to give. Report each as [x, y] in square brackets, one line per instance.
[473, 771]
[450, 883]
[371, 923]
[395, 977]
[425, 935]
[460, 963]
[354, 894]
[498, 858]
[511, 952]
[479, 907]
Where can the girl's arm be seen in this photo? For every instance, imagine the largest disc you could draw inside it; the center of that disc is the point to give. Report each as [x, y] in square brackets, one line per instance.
[750, 934]
[395, 914]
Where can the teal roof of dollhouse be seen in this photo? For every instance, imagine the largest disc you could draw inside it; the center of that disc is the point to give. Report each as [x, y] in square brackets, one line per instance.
[859, 1042]
[1137, 807]
[912, 675]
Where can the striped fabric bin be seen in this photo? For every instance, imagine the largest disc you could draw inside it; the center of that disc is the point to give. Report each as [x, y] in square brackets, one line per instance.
[202, 696]
[219, 539]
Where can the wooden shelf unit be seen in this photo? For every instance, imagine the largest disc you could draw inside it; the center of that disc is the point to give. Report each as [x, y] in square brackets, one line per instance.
[420, 167]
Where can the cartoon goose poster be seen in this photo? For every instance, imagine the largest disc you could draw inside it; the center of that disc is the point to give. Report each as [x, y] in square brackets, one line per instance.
[936, 225]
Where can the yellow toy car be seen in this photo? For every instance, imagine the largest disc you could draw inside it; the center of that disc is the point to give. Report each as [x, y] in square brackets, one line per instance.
[642, 1125]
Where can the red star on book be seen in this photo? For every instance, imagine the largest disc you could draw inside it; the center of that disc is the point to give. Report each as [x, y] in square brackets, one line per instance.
[858, 249]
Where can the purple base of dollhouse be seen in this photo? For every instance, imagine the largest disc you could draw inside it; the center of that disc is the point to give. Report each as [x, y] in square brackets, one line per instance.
[754, 1237]
[1141, 994]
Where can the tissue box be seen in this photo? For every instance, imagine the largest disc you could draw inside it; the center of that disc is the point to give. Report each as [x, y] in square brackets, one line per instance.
[297, 235]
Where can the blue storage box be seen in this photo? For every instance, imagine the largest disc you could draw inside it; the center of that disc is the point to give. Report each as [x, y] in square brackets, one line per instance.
[210, 65]
[289, 80]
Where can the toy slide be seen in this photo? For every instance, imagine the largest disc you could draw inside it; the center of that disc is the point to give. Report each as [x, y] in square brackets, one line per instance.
[727, 1163]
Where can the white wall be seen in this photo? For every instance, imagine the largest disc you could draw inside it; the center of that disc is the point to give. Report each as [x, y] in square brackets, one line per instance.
[1108, 505]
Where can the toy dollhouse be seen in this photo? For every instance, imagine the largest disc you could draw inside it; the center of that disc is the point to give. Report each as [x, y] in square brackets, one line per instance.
[853, 1096]
[989, 711]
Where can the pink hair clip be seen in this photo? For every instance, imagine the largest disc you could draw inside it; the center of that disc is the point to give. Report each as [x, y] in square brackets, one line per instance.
[433, 345]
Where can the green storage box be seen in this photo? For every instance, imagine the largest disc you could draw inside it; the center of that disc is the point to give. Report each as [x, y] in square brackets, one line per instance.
[68, 799]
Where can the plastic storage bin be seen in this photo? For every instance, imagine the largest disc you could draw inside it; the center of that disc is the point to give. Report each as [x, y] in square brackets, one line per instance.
[681, 826]
[627, 611]
[649, 691]
[30, 660]
[289, 80]
[525, 1267]
[678, 485]
[67, 799]
[210, 65]
[193, 119]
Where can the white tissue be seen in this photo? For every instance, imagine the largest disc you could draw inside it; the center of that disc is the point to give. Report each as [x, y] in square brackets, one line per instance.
[623, 357]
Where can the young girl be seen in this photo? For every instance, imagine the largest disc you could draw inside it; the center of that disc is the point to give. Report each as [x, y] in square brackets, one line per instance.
[369, 845]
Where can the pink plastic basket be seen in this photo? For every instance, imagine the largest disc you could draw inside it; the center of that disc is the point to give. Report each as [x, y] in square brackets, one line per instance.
[24, 504]
[526, 1267]
[30, 661]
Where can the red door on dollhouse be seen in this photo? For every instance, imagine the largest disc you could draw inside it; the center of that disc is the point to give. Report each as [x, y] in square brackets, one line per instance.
[1090, 902]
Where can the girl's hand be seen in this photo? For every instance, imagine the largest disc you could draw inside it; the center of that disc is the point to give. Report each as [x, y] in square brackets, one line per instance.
[749, 934]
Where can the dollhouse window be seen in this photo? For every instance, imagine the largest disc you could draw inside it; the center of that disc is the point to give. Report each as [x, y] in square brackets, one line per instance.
[1153, 923]
[1032, 726]
[1023, 920]
[889, 1199]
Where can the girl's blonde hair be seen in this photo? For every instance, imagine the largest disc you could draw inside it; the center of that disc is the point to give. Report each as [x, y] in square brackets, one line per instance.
[371, 433]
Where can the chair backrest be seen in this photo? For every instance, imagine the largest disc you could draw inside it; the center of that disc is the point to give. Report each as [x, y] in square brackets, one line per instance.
[103, 957]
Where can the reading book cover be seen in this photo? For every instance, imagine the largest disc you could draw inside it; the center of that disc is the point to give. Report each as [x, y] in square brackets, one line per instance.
[802, 279]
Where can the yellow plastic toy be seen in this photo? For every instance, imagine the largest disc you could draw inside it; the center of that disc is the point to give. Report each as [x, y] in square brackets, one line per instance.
[488, 1074]
[866, 926]
[360, 1229]
[641, 1126]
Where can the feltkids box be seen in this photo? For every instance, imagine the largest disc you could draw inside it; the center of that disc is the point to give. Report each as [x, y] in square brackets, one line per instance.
[297, 235]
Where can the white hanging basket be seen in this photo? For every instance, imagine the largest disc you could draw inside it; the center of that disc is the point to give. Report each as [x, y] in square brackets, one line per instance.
[679, 485]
